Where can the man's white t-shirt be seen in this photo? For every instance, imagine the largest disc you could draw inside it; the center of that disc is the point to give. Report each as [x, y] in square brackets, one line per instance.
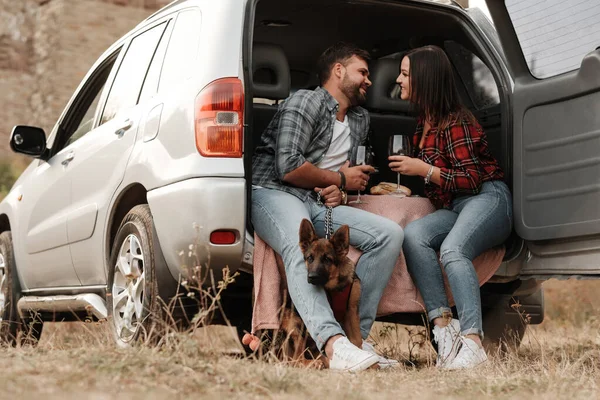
[337, 154]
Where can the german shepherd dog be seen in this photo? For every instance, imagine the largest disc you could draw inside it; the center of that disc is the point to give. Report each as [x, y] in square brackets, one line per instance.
[328, 266]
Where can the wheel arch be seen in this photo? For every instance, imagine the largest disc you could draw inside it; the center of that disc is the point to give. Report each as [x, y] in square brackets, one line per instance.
[131, 196]
[4, 223]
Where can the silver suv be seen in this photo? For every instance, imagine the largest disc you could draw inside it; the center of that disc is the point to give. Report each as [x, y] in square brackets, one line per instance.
[152, 155]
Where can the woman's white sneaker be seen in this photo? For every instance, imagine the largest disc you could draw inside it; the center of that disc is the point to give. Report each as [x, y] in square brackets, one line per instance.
[348, 357]
[383, 362]
[470, 355]
[448, 342]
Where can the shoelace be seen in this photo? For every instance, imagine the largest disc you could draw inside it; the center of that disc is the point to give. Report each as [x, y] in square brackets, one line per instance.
[345, 354]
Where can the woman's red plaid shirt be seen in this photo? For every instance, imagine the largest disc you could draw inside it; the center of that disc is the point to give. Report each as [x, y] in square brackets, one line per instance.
[462, 154]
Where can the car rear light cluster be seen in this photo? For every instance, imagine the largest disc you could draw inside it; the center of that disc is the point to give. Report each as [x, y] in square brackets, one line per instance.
[219, 119]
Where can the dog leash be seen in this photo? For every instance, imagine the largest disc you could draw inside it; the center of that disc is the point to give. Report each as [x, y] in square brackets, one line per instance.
[328, 217]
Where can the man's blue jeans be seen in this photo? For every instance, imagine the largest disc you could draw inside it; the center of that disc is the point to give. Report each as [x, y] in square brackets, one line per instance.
[276, 216]
[472, 225]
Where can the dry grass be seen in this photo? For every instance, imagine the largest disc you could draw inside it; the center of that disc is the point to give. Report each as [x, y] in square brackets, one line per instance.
[559, 359]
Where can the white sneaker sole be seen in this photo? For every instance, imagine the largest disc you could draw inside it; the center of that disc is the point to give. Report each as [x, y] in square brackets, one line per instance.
[361, 366]
[478, 363]
[459, 367]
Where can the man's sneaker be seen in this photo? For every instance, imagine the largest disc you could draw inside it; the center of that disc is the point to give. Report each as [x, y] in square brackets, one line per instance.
[448, 342]
[348, 357]
[383, 362]
[470, 355]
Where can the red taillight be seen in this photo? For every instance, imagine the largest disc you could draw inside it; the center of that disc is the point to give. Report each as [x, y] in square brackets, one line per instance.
[223, 237]
[219, 117]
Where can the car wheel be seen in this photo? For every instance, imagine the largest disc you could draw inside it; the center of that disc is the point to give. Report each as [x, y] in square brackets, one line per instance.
[133, 301]
[14, 330]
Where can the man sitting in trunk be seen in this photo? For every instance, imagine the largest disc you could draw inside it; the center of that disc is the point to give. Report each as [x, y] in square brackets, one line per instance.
[304, 151]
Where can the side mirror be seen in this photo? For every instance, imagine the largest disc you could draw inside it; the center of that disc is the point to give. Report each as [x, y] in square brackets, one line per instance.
[28, 140]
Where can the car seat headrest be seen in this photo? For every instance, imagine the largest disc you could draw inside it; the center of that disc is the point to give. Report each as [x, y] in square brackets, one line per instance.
[270, 72]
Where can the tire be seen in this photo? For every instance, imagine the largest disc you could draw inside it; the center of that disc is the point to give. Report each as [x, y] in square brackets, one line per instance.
[137, 267]
[14, 330]
[503, 328]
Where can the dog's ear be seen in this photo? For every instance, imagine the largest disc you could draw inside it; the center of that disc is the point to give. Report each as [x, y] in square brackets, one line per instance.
[307, 234]
[341, 241]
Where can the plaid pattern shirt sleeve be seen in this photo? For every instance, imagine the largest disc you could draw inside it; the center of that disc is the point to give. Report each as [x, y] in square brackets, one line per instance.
[296, 123]
[463, 144]
[300, 132]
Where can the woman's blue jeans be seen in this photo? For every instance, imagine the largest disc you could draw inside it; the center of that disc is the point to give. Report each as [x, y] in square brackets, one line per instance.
[472, 224]
[276, 216]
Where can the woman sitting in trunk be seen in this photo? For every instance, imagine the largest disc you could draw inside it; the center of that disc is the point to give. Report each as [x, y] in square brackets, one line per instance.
[474, 207]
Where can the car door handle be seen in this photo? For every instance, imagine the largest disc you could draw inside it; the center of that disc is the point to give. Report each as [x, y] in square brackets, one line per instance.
[69, 157]
[124, 127]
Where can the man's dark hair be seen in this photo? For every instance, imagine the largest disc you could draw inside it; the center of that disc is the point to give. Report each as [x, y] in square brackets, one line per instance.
[340, 52]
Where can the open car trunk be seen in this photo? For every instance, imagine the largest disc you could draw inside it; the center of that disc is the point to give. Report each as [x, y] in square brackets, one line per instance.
[285, 39]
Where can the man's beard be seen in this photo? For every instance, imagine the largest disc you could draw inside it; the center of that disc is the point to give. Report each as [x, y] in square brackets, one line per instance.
[352, 91]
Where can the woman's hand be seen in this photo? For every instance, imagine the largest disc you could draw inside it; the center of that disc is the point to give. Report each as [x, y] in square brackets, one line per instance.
[408, 165]
[330, 196]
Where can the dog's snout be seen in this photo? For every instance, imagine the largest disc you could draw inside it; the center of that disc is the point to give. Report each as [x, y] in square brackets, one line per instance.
[317, 278]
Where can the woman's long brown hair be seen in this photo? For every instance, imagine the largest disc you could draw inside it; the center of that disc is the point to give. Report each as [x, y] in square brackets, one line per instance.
[433, 88]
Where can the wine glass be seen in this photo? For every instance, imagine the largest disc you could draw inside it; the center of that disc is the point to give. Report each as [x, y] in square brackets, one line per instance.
[360, 159]
[399, 145]
[370, 159]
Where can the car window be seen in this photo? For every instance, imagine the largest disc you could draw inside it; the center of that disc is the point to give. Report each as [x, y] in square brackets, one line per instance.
[127, 85]
[476, 76]
[150, 86]
[180, 60]
[80, 117]
[87, 122]
[555, 35]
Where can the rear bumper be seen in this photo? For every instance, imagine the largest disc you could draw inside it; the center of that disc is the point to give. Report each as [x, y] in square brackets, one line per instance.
[186, 213]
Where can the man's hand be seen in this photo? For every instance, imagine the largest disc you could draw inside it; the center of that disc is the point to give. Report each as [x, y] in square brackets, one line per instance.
[408, 165]
[330, 196]
[356, 177]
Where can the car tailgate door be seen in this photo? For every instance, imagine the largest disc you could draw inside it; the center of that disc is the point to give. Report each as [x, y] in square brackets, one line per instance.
[552, 50]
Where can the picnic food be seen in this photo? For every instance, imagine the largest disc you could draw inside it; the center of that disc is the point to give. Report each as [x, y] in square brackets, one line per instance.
[387, 188]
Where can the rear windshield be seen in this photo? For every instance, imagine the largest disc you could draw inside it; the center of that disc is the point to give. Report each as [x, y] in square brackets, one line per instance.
[555, 35]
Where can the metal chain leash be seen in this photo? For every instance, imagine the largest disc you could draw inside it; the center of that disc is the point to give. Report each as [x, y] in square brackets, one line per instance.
[328, 217]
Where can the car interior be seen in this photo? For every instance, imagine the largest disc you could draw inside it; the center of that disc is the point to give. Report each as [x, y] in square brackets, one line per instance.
[288, 38]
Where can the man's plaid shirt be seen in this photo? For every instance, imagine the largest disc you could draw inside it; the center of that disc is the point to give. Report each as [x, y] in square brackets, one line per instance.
[300, 132]
[462, 154]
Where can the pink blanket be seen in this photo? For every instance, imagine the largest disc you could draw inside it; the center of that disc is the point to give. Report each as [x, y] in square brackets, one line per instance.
[400, 294]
